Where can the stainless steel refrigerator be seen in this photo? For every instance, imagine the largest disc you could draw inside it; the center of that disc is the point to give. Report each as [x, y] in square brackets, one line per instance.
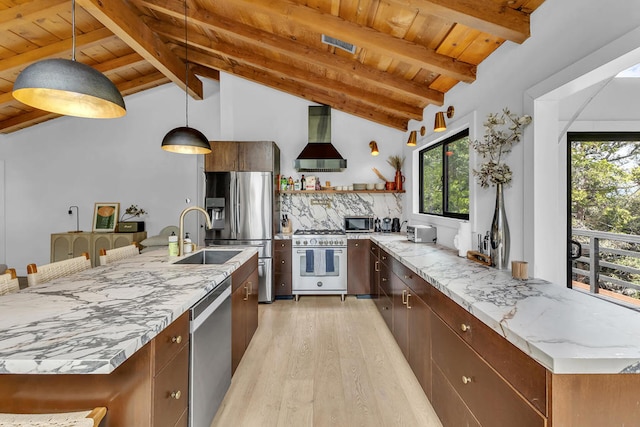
[243, 213]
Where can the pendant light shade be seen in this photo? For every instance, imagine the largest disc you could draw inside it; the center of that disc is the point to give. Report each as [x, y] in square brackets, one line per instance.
[439, 124]
[69, 88]
[412, 141]
[374, 148]
[186, 140]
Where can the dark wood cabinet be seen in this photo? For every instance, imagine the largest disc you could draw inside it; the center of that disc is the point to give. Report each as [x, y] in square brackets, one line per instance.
[244, 309]
[243, 156]
[490, 398]
[282, 267]
[358, 278]
[374, 269]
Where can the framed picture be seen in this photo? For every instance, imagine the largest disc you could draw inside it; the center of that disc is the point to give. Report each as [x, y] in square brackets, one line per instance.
[105, 216]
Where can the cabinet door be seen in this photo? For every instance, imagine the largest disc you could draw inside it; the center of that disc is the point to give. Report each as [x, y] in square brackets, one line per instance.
[399, 297]
[251, 305]
[238, 327]
[255, 156]
[282, 267]
[223, 157]
[419, 340]
[100, 241]
[358, 279]
[60, 247]
[374, 270]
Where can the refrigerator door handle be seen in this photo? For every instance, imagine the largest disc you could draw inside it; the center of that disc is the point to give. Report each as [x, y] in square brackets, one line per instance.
[233, 201]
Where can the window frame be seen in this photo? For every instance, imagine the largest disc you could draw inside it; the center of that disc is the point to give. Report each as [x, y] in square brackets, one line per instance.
[465, 132]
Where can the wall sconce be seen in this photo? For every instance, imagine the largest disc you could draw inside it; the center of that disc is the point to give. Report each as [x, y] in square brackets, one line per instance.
[374, 148]
[440, 124]
[412, 141]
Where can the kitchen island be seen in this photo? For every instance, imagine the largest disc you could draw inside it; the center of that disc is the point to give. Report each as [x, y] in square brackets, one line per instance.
[105, 337]
[531, 350]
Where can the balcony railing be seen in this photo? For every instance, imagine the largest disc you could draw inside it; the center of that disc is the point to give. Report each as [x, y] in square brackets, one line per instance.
[601, 259]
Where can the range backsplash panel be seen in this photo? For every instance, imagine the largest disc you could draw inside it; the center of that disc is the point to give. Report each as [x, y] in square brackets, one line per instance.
[327, 210]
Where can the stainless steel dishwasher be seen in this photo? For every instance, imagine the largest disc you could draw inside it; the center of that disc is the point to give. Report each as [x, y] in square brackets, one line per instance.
[210, 356]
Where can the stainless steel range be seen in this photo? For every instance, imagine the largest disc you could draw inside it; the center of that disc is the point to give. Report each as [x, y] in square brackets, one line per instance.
[319, 263]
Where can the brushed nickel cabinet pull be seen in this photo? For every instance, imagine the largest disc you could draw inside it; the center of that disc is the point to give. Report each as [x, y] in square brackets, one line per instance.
[408, 295]
[377, 266]
[404, 296]
[246, 293]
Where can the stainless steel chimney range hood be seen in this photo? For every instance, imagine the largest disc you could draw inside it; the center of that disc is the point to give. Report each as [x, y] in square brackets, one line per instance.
[319, 155]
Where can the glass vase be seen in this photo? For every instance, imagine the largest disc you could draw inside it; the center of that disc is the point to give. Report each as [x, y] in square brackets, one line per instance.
[500, 238]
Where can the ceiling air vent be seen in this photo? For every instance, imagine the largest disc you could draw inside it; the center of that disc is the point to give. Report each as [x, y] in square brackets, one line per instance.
[338, 43]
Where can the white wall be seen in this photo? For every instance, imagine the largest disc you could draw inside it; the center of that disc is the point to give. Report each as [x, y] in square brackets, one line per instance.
[73, 161]
[562, 32]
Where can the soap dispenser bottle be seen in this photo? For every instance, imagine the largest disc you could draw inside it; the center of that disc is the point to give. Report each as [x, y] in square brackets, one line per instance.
[173, 244]
[187, 247]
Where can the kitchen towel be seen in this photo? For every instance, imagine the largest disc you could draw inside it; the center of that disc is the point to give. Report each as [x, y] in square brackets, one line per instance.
[331, 268]
[309, 258]
[319, 262]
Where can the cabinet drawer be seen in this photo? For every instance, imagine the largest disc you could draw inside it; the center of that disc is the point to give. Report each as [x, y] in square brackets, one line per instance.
[171, 390]
[417, 284]
[524, 373]
[282, 246]
[282, 283]
[282, 263]
[448, 405]
[384, 305]
[492, 401]
[374, 249]
[170, 341]
[385, 279]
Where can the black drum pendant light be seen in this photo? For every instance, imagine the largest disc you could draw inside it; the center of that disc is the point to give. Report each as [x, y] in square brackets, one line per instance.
[68, 87]
[186, 140]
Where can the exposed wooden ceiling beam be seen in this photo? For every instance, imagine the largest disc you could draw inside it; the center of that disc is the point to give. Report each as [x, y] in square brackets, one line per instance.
[301, 53]
[25, 120]
[123, 22]
[311, 80]
[323, 96]
[364, 37]
[486, 16]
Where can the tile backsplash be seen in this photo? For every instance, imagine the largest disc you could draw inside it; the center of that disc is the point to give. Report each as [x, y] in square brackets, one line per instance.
[327, 210]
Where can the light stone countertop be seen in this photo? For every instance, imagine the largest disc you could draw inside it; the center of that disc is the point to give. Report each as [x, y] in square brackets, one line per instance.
[566, 331]
[92, 321]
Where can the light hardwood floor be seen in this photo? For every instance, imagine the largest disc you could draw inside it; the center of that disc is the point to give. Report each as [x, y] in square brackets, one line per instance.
[322, 362]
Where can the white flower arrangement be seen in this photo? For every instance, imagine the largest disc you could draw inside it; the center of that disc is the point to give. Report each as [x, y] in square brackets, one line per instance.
[497, 142]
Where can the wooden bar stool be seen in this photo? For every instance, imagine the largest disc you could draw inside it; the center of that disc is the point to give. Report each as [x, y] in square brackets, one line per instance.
[44, 273]
[9, 282]
[67, 419]
[107, 256]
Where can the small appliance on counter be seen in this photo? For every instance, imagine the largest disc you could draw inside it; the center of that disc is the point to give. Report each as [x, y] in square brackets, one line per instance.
[422, 233]
[358, 224]
[386, 225]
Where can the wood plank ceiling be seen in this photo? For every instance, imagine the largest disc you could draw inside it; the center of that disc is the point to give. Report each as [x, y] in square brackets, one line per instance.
[408, 53]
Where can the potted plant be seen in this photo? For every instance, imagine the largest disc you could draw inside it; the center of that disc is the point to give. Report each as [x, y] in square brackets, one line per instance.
[127, 226]
[396, 162]
[503, 130]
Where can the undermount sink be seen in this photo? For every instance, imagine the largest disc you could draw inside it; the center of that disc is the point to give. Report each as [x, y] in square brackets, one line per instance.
[208, 256]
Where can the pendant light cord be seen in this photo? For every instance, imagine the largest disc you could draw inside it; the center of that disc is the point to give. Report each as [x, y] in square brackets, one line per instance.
[73, 27]
[186, 66]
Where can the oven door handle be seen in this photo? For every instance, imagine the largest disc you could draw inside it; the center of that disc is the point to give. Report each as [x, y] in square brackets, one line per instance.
[337, 251]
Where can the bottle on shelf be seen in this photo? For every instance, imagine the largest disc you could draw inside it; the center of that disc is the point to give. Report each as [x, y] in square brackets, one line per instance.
[303, 183]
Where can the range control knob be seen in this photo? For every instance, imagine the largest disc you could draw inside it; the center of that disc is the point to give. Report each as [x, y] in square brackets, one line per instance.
[313, 241]
[304, 242]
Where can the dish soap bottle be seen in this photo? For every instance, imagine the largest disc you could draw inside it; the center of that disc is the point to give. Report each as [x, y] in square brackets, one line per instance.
[187, 247]
[173, 244]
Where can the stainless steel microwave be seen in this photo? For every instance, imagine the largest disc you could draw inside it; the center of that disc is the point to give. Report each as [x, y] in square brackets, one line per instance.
[358, 224]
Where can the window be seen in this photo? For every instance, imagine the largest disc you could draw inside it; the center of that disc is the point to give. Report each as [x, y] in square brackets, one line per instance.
[444, 177]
